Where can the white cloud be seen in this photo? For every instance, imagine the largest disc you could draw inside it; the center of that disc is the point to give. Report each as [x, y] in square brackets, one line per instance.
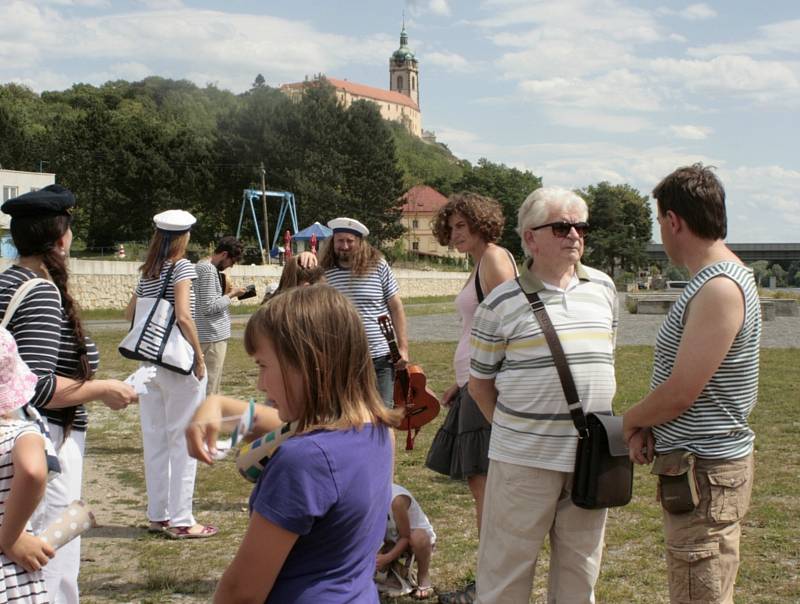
[439, 7]
[175, 43]
[690, 132]
[764, 81]
[449, 60]
[436, 7]
[697, 12]
[610, 19]
[780, 37]
[619, 90]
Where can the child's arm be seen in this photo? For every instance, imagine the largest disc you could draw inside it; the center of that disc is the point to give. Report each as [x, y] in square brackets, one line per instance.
[400, 506]
[27, 488]
[252, 573]
[202, 431]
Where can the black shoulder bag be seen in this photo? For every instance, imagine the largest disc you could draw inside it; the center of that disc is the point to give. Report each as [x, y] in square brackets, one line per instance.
[603, 475]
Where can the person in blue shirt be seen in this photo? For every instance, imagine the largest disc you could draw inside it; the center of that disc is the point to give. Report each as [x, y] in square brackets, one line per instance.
[318, 511]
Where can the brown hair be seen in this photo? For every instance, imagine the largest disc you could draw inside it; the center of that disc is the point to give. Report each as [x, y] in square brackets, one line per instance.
[364, 256]
[695, 194]
[321, 335]
[37, 236]
[294, 274]
[175, 246]
[483, 215]
[232, 246]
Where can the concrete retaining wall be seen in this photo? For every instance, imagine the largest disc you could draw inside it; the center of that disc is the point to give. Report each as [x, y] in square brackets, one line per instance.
[109, 283]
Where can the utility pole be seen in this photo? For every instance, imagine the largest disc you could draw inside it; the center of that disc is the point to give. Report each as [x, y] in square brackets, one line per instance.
[265, 259]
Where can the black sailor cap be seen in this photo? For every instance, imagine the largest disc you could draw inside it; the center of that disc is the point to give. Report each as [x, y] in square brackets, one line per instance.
[51, 200]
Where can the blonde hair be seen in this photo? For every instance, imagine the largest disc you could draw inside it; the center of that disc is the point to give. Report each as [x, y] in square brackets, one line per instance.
[319, 333]
[156, 256]
[294, 274]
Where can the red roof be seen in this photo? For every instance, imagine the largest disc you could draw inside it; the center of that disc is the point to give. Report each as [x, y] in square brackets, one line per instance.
[362, 90]
[423, 198]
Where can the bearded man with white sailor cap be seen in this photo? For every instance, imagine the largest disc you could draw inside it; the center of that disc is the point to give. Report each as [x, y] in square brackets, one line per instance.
[171, 398]
[360, 272]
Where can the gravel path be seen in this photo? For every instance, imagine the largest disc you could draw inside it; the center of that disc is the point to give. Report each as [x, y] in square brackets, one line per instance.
[781, 332]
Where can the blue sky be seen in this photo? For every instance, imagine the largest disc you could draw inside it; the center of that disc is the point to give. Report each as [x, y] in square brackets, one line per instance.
[577, 91]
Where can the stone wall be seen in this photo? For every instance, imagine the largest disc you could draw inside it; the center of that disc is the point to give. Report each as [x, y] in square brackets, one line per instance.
[110, 283]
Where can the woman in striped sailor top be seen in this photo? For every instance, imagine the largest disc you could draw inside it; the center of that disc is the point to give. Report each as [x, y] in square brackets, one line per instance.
[45, 324]
[171, 398]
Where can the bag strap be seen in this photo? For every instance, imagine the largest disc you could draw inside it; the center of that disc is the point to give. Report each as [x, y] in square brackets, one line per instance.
[19, 296]
[478, 289]
[560, 359]
[163, 293]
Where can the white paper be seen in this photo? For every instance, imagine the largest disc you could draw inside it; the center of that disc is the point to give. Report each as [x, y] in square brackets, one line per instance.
[140, 377]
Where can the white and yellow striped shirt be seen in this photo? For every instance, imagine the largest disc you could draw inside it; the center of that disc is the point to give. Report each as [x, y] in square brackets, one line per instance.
[532, 425]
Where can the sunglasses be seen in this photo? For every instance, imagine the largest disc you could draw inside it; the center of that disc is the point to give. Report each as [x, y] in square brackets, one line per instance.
[562, 228]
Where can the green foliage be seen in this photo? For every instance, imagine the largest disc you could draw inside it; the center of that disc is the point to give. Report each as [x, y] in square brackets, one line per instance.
[621, 227]
[509, 186]
[430, 164]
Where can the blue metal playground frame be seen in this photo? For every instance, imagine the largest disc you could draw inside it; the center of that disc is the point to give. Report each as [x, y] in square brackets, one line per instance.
[287, 205]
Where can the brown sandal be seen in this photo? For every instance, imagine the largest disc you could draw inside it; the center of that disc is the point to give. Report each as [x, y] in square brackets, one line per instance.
[185, 532]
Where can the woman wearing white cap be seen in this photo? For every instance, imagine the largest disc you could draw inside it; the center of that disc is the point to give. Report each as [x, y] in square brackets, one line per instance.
[39, 311]
[171, 397]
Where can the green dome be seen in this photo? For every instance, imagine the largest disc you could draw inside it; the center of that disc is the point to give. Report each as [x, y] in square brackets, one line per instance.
[404, 53]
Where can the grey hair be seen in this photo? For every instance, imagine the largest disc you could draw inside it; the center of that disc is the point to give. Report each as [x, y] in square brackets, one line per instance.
[536, 208]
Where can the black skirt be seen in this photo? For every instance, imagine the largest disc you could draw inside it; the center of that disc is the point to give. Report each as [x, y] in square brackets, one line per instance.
[460, 448]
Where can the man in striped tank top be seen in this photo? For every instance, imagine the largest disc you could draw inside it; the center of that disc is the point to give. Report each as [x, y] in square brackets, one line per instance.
[703, 388]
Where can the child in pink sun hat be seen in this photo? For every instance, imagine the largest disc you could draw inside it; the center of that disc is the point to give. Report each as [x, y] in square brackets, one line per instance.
[23, 476]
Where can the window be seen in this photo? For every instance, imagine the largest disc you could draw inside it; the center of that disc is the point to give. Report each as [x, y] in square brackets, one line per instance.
[9, 192]
[415, 224]
[399, 82]
[415, 246]
[413, 83]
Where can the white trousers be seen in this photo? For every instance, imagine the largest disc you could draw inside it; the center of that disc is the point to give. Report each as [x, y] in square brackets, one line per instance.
[61, 573]
[169, 472]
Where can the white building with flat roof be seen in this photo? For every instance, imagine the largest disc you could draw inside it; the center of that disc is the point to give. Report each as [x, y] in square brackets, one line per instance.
[14, 183]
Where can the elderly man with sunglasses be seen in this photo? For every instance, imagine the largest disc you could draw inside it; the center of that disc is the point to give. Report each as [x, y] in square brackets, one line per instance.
[514, 380]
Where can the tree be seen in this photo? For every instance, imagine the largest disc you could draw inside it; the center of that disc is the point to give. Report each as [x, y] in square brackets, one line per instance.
[760, 271]
[259, 82]
[373, 182]
[509, 186]
[621, 227]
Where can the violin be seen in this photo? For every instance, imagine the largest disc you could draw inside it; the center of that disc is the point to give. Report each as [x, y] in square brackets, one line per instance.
[411, 392]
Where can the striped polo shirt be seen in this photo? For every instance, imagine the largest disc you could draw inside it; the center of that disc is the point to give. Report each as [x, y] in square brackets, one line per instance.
[532, 425]
[212, 313]
[45, 340]
[715, 426]
[151, 288]
[370, 293]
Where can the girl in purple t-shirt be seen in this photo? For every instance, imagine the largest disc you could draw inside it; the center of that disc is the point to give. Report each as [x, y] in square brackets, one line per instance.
[318, 511]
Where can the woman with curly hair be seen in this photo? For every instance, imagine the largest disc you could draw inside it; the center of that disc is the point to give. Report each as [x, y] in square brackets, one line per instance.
[471, 223]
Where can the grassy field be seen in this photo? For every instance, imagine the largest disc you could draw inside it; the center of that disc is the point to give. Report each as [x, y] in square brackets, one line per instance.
[122, 563]
[420, 305]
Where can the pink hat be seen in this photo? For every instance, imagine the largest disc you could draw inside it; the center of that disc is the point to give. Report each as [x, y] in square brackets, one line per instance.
[17, 382]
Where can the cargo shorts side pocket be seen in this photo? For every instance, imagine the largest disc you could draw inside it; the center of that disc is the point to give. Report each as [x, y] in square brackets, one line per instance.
[730, 493]
[694, 573]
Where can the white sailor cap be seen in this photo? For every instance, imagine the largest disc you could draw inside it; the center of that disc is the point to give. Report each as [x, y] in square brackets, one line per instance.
[174, 221]
[348, 225]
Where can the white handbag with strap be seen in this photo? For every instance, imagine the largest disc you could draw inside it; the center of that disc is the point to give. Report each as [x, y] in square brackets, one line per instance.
[155, 337]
